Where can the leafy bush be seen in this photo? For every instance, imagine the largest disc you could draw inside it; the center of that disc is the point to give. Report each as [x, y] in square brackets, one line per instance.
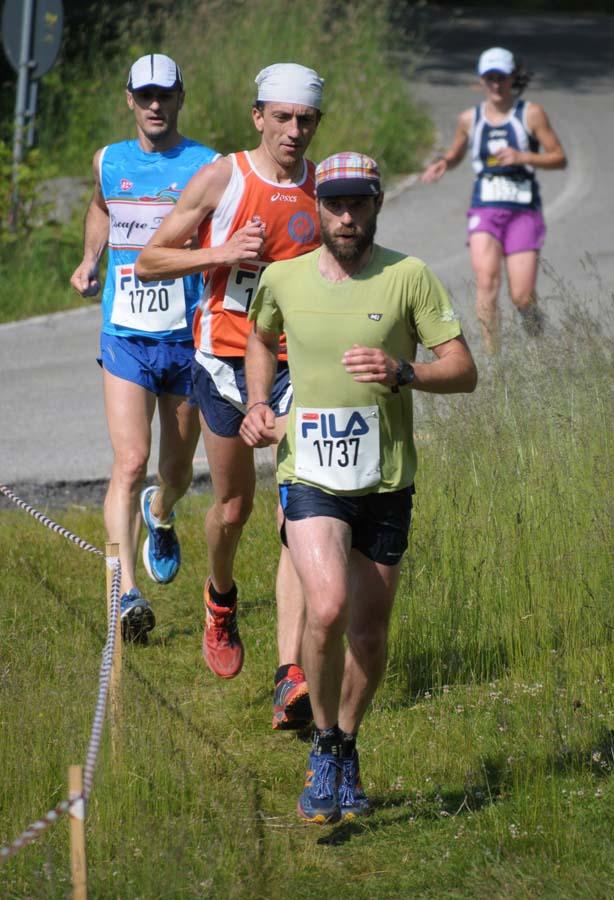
[19, 222]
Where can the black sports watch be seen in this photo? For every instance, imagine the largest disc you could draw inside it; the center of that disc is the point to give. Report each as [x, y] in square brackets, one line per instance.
[405, 374]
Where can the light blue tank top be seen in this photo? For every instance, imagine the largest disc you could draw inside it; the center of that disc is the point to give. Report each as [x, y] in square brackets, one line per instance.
[140, 189]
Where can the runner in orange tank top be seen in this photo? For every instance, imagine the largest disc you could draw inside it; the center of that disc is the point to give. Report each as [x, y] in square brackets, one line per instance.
[220, 325]
[249, 208]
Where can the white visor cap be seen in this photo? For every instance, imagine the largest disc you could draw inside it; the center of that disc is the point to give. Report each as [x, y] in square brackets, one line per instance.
[496, 60]
[157, 70]
[290, 83]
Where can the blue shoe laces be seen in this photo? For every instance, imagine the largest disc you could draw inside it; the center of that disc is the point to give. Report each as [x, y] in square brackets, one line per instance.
[324, 780]
[164, 542]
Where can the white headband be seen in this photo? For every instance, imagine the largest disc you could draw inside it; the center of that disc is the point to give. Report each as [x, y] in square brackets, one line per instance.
[290, 83]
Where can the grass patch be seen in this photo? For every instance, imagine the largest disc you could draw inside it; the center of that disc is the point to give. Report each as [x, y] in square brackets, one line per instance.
[36, 273]
[488, 752]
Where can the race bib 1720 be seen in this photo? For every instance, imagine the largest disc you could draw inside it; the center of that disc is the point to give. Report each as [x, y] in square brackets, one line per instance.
[147, 306]
[338, 448]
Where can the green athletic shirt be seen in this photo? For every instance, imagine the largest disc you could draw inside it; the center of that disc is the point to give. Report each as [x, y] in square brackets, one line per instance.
[393, 303]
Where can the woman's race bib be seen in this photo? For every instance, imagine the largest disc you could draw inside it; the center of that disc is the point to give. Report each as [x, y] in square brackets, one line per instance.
[500, 189]
[338, 448]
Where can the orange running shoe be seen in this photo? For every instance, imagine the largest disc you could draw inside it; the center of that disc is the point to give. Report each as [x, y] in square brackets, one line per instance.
[291, 705]
[222, 647]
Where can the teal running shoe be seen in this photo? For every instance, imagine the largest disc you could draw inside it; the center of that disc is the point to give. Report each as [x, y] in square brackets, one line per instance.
[319, 802]
[161, 551]
[136, 616]
[353, 801]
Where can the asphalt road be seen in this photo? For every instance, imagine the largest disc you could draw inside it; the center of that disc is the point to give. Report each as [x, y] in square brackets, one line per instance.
[52, 413]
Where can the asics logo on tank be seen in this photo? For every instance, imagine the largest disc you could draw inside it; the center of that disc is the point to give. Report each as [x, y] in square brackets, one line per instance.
[284, 197]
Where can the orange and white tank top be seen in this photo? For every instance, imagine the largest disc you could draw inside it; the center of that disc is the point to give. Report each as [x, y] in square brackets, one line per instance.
[220, 325]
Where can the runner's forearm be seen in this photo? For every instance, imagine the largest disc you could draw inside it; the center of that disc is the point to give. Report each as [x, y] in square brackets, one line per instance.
[546, 160]
[260, 368]
[96, 234]
[453, 373]
[155, 263]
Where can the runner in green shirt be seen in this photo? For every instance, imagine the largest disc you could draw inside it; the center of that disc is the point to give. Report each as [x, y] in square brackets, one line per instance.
[353, 314]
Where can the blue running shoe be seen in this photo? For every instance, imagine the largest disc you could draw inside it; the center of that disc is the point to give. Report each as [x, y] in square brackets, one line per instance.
[319, 801]
[137, 617]
[161, 552]
[352, 798]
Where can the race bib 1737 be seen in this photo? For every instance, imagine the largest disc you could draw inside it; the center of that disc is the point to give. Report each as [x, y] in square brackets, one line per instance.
[338, 448]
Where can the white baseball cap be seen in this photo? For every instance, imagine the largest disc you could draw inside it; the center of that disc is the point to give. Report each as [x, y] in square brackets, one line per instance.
[157, 70]
[496, 60]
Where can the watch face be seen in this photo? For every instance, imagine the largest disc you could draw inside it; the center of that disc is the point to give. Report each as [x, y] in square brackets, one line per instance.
[406, 373]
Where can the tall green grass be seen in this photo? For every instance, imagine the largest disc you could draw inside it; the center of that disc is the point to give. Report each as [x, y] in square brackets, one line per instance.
[221, 46]
[519, 571]
[488, 751]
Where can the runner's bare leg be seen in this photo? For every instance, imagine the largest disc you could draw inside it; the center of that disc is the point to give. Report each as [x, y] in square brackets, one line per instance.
[288, 592]
[129, 410]
[486, 258]
[231, 463]
[179, 433]
[320, 548]
[373, 587]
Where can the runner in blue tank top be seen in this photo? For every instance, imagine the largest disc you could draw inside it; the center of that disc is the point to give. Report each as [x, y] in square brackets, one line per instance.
[508, 139]
[146, 343]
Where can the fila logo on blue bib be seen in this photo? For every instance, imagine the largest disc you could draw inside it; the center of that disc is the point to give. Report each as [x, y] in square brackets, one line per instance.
[326, 424]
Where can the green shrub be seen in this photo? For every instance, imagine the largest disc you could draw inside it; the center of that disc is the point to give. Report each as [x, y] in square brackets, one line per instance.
[17, 222]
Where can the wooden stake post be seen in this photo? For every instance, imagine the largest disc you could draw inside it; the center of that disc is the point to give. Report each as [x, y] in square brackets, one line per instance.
[78, 863]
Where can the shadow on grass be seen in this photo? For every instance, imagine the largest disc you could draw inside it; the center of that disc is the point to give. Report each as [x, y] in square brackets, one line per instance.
[220, 759]
[598, 760]
[415, 672]
[169, 703]
[494, 785]
[432, 806]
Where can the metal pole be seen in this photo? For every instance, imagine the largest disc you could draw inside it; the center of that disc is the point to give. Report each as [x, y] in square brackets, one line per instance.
[21, 101]
[31, 112]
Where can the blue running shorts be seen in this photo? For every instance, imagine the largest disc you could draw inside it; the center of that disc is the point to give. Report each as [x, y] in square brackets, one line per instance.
[221, 393]
[379, 522]
[162, 367]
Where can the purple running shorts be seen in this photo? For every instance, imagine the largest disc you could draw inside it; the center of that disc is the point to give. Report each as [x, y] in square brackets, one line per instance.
[517, 230]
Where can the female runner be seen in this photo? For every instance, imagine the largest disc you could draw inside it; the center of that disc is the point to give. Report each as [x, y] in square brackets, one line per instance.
[509, 139]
